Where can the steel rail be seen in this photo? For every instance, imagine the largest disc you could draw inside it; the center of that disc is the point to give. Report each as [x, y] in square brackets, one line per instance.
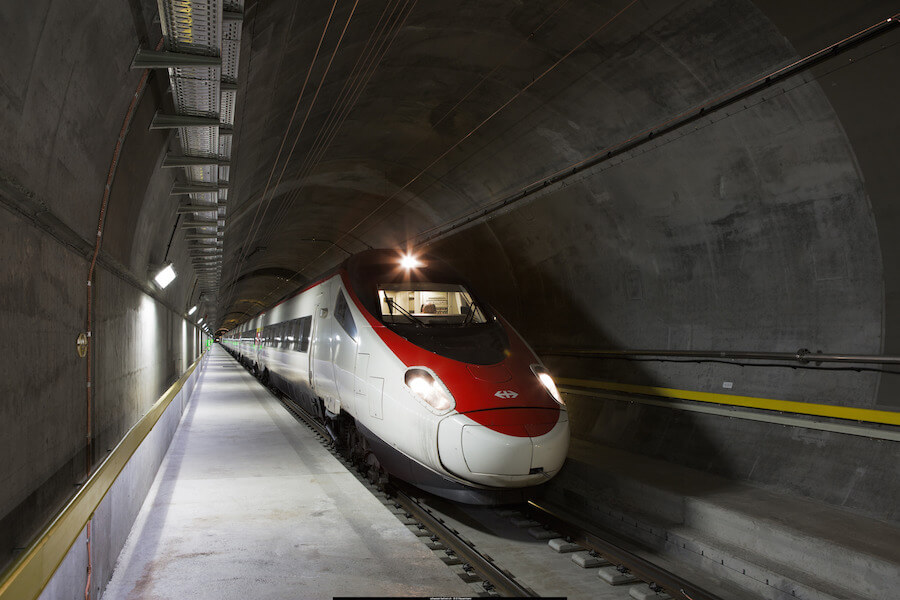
[503, 582]
[297, 411]
[802, 356]
[613, 547]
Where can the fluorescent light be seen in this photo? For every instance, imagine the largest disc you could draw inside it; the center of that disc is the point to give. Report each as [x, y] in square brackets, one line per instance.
[200, 321]
[165, 276]
[193, 310]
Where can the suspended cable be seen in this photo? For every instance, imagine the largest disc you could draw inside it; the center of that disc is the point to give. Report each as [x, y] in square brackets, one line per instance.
[252, 232]
[319, 148]
[338, 105]
[480, 125]
[497, 111]
[685, 117]
[243, 247]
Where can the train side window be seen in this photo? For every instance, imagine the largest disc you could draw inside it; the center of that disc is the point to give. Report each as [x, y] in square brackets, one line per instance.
[343, 316]
[287, 342]
[290, 334]
[303, 335]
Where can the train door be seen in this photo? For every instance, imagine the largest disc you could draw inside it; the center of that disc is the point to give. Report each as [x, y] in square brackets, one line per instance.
[346, 336]
[257, 346]
[320, 356]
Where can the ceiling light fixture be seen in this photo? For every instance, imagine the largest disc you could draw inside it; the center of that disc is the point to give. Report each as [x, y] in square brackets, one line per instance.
[165, 276]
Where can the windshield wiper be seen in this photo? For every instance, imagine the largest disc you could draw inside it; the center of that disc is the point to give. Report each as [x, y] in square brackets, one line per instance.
[392, 305]
[470, 316]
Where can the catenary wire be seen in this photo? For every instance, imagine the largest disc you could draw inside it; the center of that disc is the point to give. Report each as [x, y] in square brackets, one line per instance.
[254, 230]
[453, 146]
[243, 247]
[341, 107]
[484, 122]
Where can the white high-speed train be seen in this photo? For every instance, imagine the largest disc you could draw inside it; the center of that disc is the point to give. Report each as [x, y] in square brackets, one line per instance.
[411, 371]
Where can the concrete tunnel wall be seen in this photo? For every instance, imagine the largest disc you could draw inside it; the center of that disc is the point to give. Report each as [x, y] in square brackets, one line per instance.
[64, 98]
[767, 228]
[759, 229]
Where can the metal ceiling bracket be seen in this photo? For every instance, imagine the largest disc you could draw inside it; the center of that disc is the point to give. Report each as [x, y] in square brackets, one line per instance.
[194, 224]
[203, 43]
[172, 161]
[197, 188]
[192, 208]
[164, 121]
[152, 59]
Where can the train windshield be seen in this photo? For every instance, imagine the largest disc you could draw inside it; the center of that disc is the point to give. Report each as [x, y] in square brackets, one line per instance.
[429, 304]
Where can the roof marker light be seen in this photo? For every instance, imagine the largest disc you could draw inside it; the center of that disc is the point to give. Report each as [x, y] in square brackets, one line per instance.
[408, 261]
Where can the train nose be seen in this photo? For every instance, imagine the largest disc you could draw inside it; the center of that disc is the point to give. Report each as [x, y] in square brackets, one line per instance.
[509, 456]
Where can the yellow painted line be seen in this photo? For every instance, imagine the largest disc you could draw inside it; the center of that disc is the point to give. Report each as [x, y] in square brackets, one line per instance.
[27, 577]
[867, 415]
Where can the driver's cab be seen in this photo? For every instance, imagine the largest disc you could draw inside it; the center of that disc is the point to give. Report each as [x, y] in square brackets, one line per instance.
[428, 304]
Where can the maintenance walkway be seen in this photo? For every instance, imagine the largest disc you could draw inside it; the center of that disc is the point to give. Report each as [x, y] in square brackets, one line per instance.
[249, 504]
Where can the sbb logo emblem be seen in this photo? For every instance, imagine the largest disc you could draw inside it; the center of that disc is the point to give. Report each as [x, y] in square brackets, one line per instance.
[506, 394]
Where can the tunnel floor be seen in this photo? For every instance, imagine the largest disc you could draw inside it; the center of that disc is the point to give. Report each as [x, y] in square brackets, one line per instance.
[249, 504]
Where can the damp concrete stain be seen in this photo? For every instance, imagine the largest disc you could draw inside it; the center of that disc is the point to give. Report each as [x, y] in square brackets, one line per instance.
[142, 589]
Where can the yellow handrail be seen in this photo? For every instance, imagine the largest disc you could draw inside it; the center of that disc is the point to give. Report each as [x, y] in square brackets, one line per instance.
[27, 576]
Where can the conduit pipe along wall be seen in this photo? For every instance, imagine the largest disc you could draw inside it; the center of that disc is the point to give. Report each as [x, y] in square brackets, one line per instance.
[802, 356]
[762, 224]
[126, 123]
[101, 163]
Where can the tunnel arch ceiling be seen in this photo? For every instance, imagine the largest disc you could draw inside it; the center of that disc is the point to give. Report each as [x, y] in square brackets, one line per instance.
[752, 229]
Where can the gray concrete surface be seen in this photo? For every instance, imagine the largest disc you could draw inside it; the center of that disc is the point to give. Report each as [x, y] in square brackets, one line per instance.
[140, 348]
[116, 514]
[769, 226]
[855, 473]
[716, 530]
[249, 504]
[65, 87]
[531, 560]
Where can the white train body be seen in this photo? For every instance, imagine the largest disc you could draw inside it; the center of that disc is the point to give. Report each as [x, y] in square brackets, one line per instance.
[449, 398]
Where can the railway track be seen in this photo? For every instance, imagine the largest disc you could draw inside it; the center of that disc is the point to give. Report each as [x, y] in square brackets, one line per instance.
[615, 550]
[552, 547]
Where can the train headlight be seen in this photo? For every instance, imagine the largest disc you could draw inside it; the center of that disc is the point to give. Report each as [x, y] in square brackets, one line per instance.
[544, 377]
[430, 389]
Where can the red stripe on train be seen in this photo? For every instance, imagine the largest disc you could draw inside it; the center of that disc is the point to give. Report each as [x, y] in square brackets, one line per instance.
[529, 409]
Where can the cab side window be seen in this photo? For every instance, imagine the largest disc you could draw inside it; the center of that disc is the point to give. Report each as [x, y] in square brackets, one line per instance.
[305, 326]
[343, 316]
